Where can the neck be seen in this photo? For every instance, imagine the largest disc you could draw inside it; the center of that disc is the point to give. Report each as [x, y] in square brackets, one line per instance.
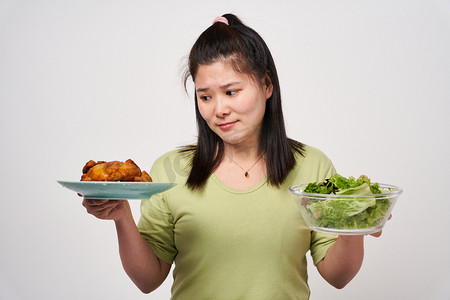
[241, 174]
[242, 153]
[247, 167]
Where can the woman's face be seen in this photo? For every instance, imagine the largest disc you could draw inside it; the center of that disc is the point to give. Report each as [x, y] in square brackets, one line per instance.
[232, 104]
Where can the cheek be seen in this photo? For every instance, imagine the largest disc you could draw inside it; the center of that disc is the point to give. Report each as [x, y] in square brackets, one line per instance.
[203, 111]
[255, 109]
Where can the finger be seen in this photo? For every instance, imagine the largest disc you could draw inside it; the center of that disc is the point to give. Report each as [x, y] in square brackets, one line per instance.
[100, 207]
[94, 202]
[109, 205]
[107, 211]
[377, 234]
[93, 205]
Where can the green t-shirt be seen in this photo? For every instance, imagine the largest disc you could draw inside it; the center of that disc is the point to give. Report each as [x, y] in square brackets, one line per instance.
[232, 244]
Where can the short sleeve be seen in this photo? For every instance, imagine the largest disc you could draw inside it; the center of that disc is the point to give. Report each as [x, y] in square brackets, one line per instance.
[320, 244]
[331, 171]
[156, 226]
[156, 223]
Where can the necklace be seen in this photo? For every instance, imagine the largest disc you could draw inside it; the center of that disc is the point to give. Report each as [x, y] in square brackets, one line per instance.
[246, 174]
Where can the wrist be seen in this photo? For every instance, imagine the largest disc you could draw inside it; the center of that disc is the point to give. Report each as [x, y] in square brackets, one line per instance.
[125, 220]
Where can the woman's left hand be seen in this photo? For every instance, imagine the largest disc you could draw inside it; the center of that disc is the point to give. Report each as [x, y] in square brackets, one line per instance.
[378, 234]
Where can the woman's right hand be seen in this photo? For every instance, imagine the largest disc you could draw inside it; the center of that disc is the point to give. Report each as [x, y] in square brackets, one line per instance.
[106, 209]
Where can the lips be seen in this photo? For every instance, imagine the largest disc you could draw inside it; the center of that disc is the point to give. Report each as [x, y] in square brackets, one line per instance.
[226, 126]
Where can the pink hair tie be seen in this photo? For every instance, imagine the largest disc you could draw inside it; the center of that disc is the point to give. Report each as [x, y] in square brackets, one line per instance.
[220, 19]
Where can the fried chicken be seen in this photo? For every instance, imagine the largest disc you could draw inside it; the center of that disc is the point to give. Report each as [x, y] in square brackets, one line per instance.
[114, 171]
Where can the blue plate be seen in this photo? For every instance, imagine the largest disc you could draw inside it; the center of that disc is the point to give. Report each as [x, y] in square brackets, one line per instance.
[116, 189]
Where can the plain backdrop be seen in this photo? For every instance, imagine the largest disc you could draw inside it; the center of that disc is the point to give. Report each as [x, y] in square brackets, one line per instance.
[367, 82]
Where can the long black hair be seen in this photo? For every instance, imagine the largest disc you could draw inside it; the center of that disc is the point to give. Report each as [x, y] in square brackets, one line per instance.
[247, 52]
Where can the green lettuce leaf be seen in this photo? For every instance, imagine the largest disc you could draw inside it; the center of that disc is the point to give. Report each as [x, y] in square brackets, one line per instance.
[358, 213]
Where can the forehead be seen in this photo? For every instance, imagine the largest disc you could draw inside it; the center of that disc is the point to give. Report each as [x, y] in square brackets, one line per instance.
[220, 72]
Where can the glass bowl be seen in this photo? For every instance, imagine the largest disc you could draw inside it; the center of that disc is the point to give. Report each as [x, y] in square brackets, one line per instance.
[346, 214]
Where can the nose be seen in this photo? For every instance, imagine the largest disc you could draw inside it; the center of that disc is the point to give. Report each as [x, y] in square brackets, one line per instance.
[222, 108]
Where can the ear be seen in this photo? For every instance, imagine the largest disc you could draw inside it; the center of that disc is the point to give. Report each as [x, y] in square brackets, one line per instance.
[268, 86]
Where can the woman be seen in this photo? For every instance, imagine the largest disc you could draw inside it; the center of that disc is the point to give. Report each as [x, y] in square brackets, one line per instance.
[230, 225]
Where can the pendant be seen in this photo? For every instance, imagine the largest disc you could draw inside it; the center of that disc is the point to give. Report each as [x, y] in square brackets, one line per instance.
[246, 174]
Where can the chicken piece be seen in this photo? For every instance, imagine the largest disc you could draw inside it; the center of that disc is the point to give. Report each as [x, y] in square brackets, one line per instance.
[114, 171]
[90, 164]
[143, 178]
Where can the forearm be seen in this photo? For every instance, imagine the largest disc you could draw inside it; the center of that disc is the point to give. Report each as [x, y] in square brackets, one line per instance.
[343, 260]
[138, 258]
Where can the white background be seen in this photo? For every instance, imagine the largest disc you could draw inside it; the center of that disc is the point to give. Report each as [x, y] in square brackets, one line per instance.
[367, 82]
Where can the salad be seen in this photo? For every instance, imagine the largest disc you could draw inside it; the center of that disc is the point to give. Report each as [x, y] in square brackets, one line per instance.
[345, 212]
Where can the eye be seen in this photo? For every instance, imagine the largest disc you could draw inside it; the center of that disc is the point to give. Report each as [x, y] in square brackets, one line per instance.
[231, 93]
[205, 98]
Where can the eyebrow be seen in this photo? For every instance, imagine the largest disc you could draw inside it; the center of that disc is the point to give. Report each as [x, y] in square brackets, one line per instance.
[225, 86]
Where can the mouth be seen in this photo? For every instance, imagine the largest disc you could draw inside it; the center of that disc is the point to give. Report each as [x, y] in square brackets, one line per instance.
[226, 126]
